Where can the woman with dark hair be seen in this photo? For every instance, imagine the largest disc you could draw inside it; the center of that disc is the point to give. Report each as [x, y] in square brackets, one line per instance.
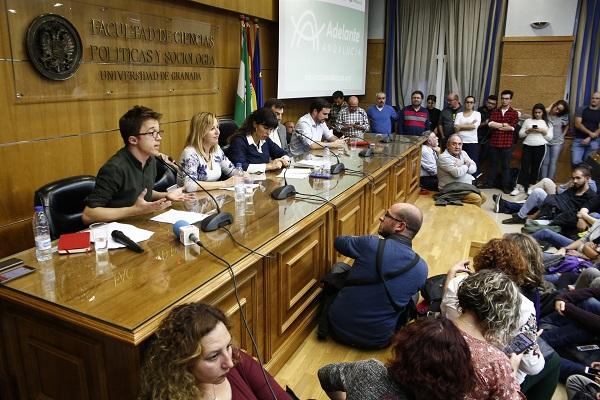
[504, 255]
[192, 357]
[490, 304]
[537, 132]
[252, 147]
[558, 116]
[422, 353]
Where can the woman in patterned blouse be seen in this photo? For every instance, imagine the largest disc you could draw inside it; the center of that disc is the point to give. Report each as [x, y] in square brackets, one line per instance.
[202, 158]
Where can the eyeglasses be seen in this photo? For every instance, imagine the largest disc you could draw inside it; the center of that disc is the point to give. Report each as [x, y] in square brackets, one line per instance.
[387, 214]
[155, 134]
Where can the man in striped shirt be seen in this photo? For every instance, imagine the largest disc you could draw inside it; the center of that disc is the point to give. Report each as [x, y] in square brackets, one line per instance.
[414, 119]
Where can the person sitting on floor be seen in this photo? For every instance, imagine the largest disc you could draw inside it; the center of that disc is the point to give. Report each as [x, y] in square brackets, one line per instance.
[561, 208]
[455, 166]
[430, 151]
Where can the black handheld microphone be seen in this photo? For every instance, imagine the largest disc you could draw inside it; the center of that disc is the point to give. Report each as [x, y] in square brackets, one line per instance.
[213, 221]
[336, 168]
[120, 237]
[285, 191]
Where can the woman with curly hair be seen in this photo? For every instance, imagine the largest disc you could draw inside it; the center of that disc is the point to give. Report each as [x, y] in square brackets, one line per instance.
[202, 159]
[490, 303]
[504, 255]
[192, 357]
[422, 353]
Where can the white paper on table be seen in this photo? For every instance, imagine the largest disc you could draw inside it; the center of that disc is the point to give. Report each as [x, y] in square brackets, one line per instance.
[172, 216]
[252, 186]
[309, 163]
[134, 233]
[295, 173]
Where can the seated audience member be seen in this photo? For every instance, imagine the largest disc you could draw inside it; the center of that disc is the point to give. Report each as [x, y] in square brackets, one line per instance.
[361, 314]
[455, 166]
[490, 303]
[414, 119]
[585, 247]
[422, 352]
[561, 208]
[124, 184]
[202, 157]
[335, 108]
[434, 113]
[537, 132]
[279, 135]
[558, 116]
[576, 321]
[313, 126]
[504, 255]
[290, 126]
[192, 357]
[466, 124]
[252, 147]
[430, 151]
[580, 387]
[382, 116]
[353, 120]
[589, 278]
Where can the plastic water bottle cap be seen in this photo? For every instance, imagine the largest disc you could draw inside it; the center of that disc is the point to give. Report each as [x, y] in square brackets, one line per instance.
[38, 208]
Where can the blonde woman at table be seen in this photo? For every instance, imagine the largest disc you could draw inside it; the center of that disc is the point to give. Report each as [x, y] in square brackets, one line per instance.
[202, 158]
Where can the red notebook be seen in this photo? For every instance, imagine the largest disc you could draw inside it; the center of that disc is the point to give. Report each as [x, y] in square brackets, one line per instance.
[78, 242]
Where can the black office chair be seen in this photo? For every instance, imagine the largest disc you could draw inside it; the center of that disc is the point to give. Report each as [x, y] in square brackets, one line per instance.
[165, 178]
[227, 127]
[63, 203]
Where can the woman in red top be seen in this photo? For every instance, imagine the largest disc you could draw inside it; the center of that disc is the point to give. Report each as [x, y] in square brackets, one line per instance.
[192, 357]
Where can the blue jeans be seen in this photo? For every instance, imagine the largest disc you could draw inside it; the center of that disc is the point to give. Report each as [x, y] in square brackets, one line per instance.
[580, 152]
[555, 239]
[560, 331]
[549, 164]
[535, 200]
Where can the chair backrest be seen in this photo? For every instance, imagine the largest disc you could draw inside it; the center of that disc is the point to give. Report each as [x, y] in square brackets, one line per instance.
[227, 127]
[63, 203]
[165, 178]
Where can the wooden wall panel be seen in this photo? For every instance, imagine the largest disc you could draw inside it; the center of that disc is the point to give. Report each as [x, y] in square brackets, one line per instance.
[536, 70]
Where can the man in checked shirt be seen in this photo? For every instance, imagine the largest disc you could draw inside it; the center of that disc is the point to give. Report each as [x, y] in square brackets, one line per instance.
[502, 123]
[353, 121]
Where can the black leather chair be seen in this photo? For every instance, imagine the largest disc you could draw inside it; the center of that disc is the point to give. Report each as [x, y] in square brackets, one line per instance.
[227, 127]
[63, 203]
[165, 178]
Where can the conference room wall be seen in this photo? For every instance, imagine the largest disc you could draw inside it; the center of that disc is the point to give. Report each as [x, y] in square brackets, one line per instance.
[42, 142]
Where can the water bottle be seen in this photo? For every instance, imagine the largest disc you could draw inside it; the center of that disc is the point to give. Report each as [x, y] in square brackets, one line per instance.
[238, 182]
[41, 234]
[326, 162]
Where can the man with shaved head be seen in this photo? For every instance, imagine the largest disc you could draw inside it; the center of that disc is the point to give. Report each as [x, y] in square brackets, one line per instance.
[448, 115]
[353, 121]
[374, 301]
[587, 130]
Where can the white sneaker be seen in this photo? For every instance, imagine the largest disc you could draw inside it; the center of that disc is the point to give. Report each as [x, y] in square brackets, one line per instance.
[529, 190]
[518, 189]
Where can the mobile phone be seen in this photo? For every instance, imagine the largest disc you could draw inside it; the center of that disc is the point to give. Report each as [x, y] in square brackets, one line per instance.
[17, 272]
[534, 126]
[9, 263]
[588, 347]
[592, 371]
[519, 344]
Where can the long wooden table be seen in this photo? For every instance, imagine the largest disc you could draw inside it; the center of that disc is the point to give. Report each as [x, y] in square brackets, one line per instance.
[77, 327]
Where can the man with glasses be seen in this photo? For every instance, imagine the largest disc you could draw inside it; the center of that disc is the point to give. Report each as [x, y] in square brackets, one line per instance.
[455, 166]
[362, 315]
[414, 119]
[124, 185]
[587, 130]
[502, 124]
[353, 120]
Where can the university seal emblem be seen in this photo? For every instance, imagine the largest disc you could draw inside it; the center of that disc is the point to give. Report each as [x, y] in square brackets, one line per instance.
[54, 47]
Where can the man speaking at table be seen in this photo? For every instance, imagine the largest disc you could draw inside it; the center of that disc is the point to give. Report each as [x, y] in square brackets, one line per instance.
[124, 185]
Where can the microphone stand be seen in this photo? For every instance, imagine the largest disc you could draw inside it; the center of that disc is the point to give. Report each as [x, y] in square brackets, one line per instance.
[285, 191]
[336, 168]
[214, 221]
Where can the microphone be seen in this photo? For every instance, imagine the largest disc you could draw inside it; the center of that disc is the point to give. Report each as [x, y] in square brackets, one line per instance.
[368, 152]
[213, 221]
[335, 168]
[285, 191]
[187, 234]
[120, 237]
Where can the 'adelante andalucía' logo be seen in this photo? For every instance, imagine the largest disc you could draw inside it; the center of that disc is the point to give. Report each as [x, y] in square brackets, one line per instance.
[54, 47]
